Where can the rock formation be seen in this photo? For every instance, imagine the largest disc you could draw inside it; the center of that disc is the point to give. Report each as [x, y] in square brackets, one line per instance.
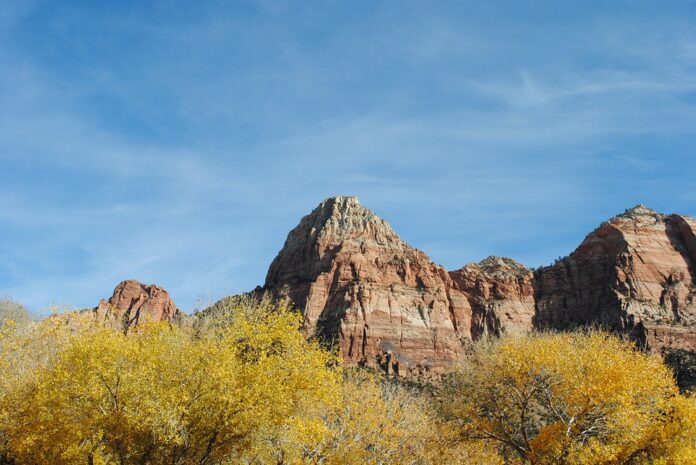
[133, 303]
[634, 274]
[501, 295]
[384, 303]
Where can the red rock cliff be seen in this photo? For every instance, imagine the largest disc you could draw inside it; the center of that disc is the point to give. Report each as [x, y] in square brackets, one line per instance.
[133, 302]
[634, 274]
[501, 295]
[383, 302]
[388, 305]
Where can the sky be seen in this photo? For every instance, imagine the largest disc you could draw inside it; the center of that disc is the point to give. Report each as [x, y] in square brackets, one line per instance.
[177, 143]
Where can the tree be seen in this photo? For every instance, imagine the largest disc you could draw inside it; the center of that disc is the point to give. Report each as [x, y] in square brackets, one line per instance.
[161, 395]
[378, 422]
[584, 398]
[382, 422]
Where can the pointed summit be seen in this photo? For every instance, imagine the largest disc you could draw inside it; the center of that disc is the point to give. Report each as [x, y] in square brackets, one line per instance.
[340, 218]
[384, 303]
[345, 217]
[331, 224]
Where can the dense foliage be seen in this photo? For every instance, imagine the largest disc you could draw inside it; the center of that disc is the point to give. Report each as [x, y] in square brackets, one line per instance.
[583, 398]
[245, 387]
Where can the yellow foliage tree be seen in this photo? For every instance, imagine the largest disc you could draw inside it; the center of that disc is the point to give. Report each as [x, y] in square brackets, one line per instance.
[243, 386]
[382, 422]
[584, 398]
[162, 396]
[379, 422]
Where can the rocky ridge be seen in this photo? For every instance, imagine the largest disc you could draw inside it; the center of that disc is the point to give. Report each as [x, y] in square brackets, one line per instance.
[386, 305]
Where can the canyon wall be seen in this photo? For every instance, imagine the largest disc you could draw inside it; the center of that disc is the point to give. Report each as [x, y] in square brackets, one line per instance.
[386, 304]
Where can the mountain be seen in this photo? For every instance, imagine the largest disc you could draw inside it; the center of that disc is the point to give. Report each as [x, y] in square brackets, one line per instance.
[387, 305]
[634, 274]
[382, 302]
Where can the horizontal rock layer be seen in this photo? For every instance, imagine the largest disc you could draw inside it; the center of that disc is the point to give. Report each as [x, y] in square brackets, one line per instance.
[633, 274]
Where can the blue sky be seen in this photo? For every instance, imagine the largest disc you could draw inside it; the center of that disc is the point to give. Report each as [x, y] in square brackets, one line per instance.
[178, 142]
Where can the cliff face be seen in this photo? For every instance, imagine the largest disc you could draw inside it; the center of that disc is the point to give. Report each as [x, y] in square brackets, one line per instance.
[501, 294]
[133, 303]
[384, 303]
[634, 274]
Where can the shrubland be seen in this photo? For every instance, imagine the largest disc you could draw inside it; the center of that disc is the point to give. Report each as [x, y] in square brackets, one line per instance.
[244, 386]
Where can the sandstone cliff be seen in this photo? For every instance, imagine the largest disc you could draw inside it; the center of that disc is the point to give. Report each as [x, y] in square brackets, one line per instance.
[133, 302]
[634, 274]
[501, 294]
[384, 303]
[387, 305]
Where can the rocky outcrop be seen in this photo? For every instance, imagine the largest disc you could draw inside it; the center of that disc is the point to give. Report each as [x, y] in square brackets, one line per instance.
[133, 302]
[501, 294]
[634, 274]
[385, 304]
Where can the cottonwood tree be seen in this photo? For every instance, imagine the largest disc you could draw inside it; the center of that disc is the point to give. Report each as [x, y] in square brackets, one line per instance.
[584, 398]
[381, 422]
[161, 396]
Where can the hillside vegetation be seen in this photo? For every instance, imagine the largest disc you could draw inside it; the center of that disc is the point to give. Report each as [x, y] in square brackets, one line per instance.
[245, 387]
[14, 312]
